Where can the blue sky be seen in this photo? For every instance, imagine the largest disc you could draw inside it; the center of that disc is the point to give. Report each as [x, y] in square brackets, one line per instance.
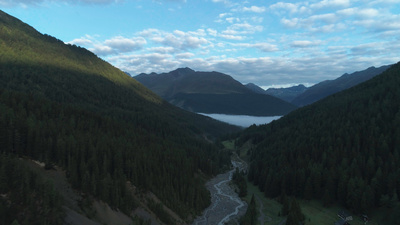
[269, 43]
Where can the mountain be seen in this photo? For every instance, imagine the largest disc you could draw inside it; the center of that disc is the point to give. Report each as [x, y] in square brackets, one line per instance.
[186, 80]
[343, 150]
[329, 87]
[212, 92]
[255, 88]
[287, 94]
[78, 135]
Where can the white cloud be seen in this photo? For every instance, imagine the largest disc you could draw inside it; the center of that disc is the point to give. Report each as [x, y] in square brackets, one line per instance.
[292, 8]
[232, 37]
[331, 4]
[121, 44]
[291, 23]
[388, 23]
[84, 41]
[232, 19]
[162, 50]
[360, 13]
[257, 19]
[226, 2]
[325, 23]
[114, 45]
[238, 31]
[389, 2]
[177, 39]
[284, 5]
[255, 9]
[185, 55]
[212, 32]
[326, 18]
[222, 15]
[304, 44]
[101, 49]
[243, 28]
[265, 47]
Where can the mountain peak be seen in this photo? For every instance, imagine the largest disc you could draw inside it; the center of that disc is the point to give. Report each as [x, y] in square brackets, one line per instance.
[185, 70]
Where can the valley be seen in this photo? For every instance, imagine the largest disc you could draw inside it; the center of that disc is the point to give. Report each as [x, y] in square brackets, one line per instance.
[82, 142]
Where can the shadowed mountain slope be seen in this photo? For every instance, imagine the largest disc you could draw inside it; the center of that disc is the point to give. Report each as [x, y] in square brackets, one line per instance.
[212, 92]
[329, 87]
[287, 94]
[255, 88]
[186, 80]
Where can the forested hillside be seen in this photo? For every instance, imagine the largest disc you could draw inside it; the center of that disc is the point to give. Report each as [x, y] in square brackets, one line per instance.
[343, 149]
[62, 105]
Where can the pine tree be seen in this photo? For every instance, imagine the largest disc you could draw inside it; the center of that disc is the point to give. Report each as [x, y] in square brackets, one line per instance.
[250, 218]
[285, 205]
[295, 216]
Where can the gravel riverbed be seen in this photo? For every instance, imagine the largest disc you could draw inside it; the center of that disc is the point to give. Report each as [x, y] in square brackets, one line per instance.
[226, 206]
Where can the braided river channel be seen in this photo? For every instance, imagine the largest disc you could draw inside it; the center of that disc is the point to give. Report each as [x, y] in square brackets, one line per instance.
[226, 206]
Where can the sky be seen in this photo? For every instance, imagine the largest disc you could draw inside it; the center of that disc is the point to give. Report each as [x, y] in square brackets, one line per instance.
[270, 43]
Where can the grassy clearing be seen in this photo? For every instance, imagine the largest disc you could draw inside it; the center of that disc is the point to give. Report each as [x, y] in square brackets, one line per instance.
[230, 144]
[271, 208]
[314, 211]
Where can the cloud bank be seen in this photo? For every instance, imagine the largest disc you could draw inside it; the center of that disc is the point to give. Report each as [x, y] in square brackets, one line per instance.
[266, 43]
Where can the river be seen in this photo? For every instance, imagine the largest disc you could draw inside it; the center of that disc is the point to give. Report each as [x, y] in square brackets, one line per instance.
[225, 205]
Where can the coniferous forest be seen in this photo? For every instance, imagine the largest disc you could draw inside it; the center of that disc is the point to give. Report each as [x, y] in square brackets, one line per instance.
[344, 149]
[62, 105]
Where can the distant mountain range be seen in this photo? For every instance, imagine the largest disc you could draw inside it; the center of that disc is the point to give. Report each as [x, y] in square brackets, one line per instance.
[287, 94]
[300, 95]
[212, 92]
[329, 87]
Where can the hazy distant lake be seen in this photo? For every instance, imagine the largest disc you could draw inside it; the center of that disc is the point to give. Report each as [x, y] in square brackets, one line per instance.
[242, 120]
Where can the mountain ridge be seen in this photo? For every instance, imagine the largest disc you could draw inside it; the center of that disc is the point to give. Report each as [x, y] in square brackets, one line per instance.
[186, 80]
[212, 92]
[287, 94]
[329, 87]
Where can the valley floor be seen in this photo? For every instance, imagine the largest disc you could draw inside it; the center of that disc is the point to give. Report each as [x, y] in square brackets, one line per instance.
[225, 205]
